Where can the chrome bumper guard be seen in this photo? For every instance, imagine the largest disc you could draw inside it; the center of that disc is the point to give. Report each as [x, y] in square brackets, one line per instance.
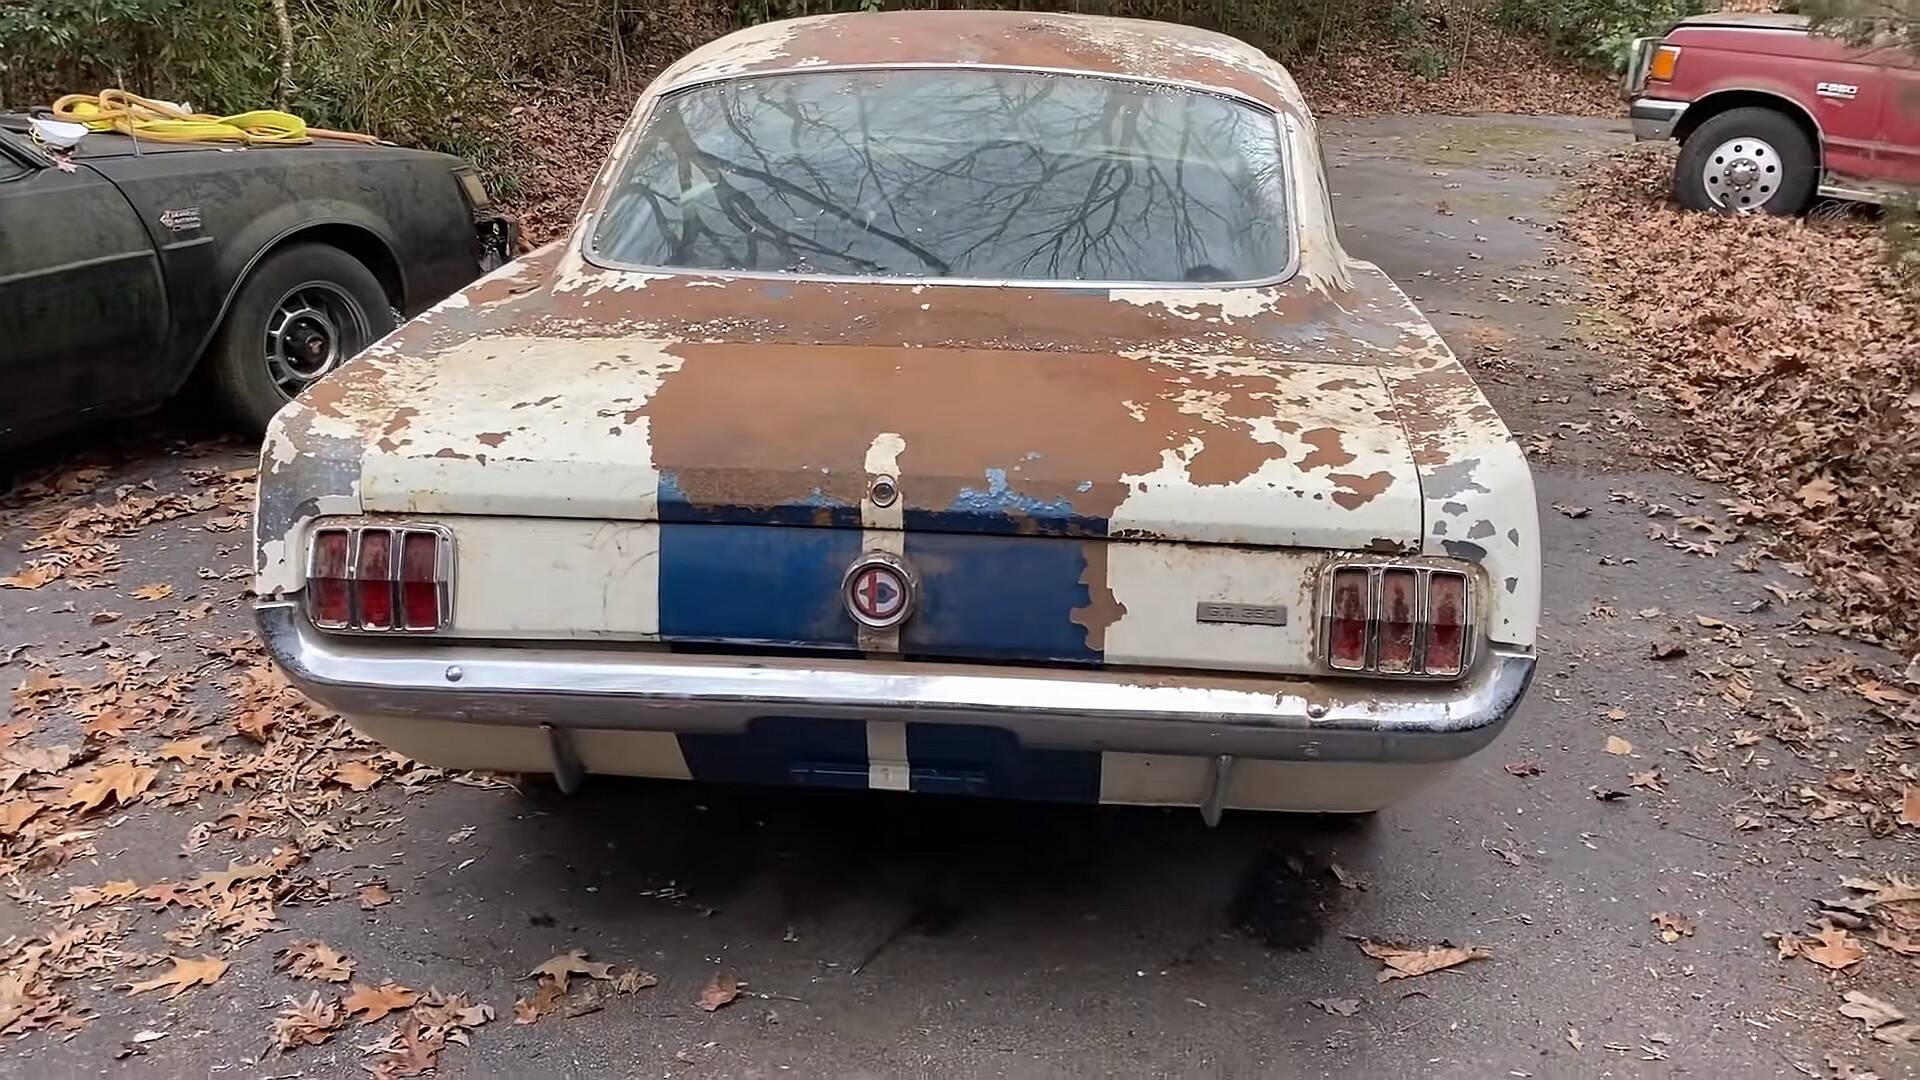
[1289, 719]
[1653, 118]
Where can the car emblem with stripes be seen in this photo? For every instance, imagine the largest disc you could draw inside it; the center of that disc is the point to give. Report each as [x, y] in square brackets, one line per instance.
[879, 590]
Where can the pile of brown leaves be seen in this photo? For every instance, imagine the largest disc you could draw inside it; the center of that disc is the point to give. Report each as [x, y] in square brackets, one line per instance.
[1793, 353]
[1491, 71]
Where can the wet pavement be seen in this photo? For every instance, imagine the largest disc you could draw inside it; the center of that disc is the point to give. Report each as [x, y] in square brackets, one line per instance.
[881, 935]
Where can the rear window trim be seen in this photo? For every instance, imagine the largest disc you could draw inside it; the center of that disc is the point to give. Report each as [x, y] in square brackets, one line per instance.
[1284, 129]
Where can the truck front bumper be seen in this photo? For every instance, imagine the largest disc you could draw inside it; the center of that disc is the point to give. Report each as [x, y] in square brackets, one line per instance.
[584, 688]
[1654, 118]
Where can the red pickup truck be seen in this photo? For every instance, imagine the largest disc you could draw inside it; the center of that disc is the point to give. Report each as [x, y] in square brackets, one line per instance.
[1769, 115]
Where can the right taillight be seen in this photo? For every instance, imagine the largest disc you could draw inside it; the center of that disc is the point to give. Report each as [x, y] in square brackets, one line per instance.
[1391, 619]
[380, 578]
[1446, 624]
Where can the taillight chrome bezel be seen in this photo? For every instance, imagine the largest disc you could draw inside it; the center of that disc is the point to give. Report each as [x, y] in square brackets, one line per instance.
[396, 547]
[1423, 575]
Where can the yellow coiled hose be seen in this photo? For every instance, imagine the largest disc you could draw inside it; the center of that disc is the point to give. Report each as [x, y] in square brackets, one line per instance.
[131, 114]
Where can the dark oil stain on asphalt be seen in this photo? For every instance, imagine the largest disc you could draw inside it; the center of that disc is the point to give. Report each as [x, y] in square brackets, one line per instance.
[1285, 900]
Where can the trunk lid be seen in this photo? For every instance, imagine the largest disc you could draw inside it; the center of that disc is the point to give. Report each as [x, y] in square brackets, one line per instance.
[1155, 446]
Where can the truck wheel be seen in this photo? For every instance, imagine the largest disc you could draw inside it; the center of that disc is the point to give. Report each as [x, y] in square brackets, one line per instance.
[1746, 160]
[303, 311]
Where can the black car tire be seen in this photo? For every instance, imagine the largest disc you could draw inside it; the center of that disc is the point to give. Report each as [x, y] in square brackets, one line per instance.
[238, 366]
[1789, 150]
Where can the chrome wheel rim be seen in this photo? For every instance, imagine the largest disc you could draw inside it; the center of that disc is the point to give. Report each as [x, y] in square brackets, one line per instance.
[314, 328]
[1742, 174]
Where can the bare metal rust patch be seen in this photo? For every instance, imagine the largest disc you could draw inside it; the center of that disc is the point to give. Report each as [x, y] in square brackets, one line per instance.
[1103, 609]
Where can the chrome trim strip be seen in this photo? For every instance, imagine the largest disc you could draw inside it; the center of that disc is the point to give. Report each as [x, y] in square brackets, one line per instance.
[1085, 709]
[1284, 125]
[1854, 194]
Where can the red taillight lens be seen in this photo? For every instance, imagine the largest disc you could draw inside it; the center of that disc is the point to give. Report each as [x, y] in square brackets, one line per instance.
[375, 585]
[1347, 629]
[380, 578]
[1446, 624]
[328, 579]
[1399, 612]
[1397, 619]
[420, 581]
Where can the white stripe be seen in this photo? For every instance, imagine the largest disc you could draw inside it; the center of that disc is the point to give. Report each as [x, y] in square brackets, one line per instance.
[887, 768]
[881, 530]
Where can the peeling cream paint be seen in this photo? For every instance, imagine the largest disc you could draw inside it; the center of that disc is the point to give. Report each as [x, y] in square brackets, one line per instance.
[1211, 305]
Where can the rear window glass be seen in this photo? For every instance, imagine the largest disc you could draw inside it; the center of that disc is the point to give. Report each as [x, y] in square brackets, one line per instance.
[996, 175]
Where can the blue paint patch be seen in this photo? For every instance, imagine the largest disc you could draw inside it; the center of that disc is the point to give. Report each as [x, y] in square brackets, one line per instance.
[782, 750]
[815, 509]
[761, 585]
[998, 598]
[998, 506]
[998, 498]
[962, 759]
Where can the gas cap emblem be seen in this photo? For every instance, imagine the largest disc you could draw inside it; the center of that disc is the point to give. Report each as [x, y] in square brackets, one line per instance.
[880, 590]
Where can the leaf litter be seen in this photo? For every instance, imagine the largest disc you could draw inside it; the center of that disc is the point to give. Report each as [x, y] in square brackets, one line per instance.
[1797, 374]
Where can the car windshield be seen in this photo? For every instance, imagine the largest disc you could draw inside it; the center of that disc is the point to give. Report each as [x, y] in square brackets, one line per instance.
[978, 174]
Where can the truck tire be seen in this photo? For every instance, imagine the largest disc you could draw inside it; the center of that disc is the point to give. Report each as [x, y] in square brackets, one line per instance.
[302, 311]
[1745, 161]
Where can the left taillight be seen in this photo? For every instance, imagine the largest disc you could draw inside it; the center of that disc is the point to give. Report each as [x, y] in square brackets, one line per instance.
[1398, 620]
[380, 578]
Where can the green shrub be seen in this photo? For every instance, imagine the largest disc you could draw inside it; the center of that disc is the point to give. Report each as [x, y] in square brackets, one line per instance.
[1595, 32]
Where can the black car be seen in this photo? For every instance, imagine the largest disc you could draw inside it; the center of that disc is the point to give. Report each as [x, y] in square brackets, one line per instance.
[130, 267]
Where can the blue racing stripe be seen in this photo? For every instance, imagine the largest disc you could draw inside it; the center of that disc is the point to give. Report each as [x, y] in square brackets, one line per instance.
[782, 750]
[998, 598]
[962, 759]
[767, 585]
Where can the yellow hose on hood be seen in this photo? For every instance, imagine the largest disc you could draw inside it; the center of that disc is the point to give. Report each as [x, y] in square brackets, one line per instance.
[131, 114]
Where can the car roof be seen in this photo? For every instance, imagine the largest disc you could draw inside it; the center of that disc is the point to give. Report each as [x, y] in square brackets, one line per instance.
[1082, 44]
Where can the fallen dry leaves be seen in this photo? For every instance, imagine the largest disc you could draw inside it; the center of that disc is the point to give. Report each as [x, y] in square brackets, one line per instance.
[307, 1023]
[309, 959]
[372, 1003]
[1885, 1023]
[1793, 354]
[1672, 926]
[1405, 962]
[183, 976]
[120, 782]
[719, 993]
[1833, 948]
[555, 977]
[562, 968]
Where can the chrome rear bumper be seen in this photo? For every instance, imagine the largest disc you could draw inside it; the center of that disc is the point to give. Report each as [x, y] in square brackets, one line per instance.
[1198, 714]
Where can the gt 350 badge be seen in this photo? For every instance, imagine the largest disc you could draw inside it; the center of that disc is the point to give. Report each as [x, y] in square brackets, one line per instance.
[1255, 614]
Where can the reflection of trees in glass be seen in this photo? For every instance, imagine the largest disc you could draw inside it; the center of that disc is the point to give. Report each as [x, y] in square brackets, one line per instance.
[979, 174]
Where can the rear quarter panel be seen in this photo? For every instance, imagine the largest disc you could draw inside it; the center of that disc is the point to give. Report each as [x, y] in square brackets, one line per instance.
[248, 200]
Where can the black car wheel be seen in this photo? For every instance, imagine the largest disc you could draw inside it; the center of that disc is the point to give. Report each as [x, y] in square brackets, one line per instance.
[302, 312]
[1745, 161]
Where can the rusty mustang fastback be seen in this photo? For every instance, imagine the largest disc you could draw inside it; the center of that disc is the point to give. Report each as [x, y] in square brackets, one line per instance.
[936, 401]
